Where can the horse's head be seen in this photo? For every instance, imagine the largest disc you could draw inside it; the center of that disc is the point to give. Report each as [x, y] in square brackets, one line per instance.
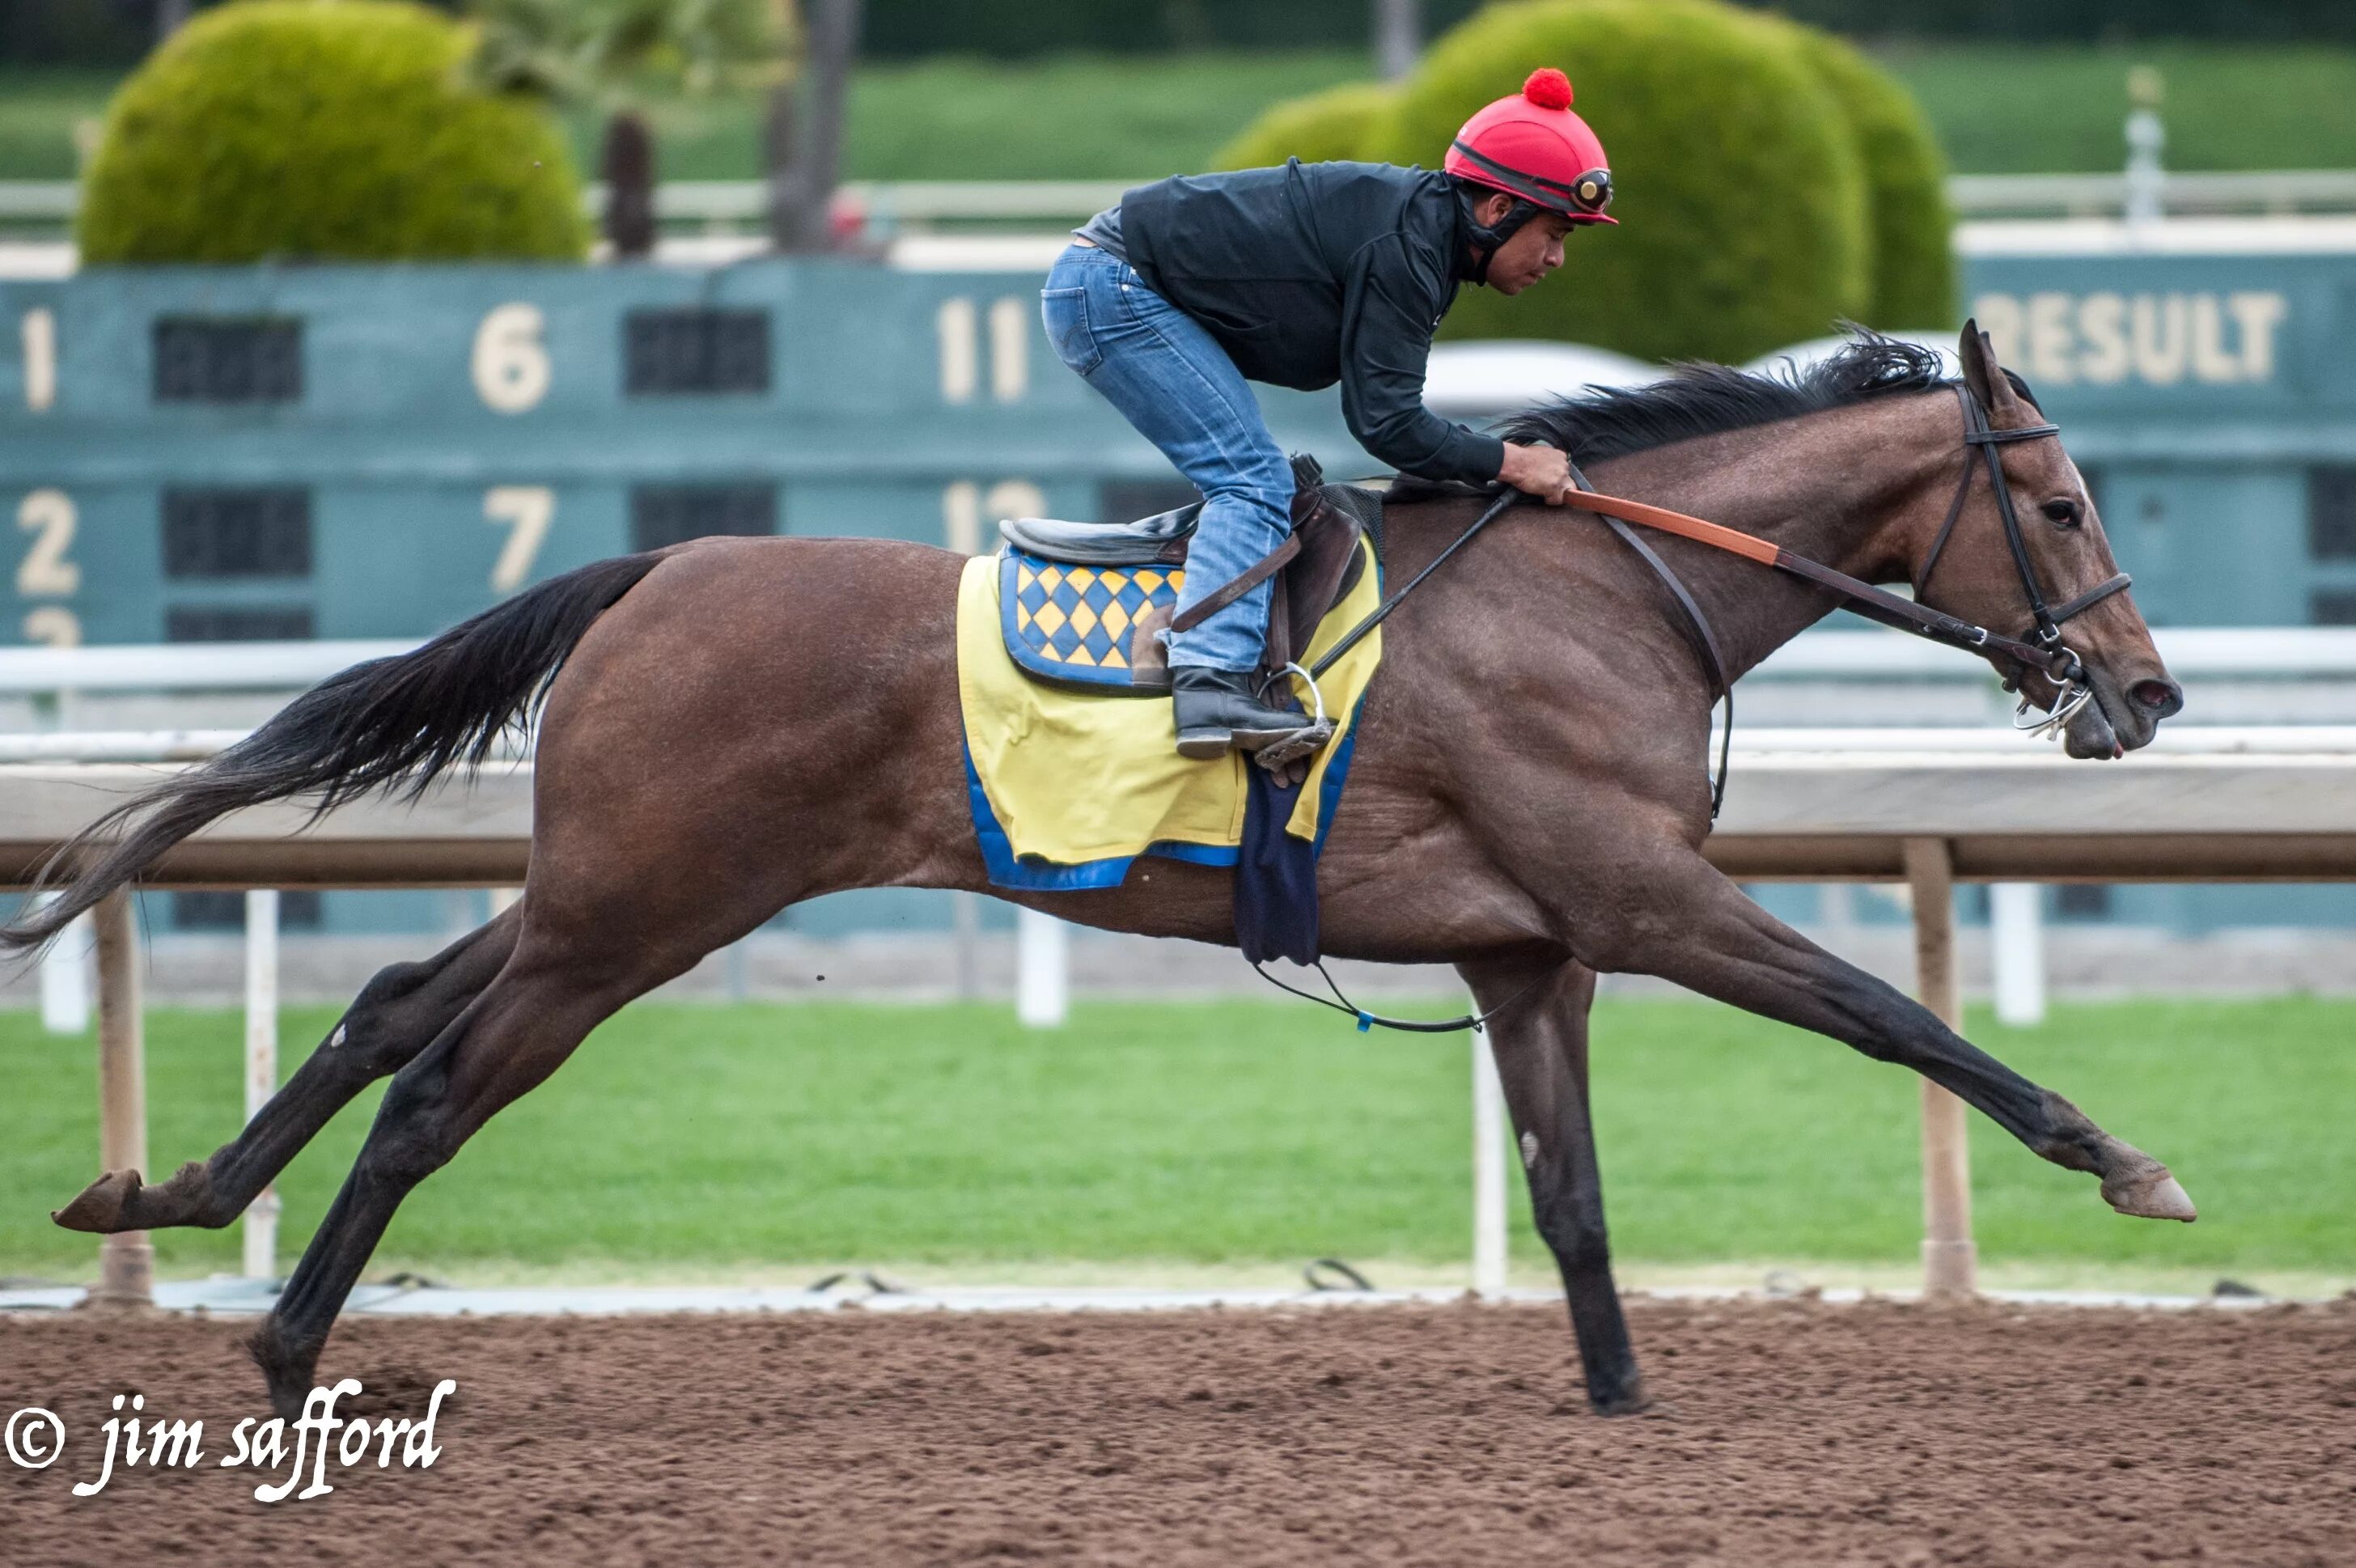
[1993, 570]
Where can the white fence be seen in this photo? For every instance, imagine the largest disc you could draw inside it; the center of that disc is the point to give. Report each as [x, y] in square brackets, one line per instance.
[885, 208]
[2193, 653]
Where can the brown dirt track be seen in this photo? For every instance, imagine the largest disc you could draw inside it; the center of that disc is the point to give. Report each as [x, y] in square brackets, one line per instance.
[1880, 1435]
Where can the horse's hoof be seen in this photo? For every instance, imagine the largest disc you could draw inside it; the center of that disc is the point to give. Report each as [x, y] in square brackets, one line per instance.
[100, 1208]
[286, 1368]
[2150, 1194]
[1631, 1400]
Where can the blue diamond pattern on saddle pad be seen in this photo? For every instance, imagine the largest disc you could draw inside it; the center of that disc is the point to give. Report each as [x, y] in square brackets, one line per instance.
[1074, 623]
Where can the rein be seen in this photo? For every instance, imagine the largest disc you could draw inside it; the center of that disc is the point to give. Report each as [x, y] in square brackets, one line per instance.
[2045, 652]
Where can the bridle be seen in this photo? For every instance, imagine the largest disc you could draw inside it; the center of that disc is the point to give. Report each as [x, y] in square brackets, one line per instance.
[2059, 663]
[2045, 651]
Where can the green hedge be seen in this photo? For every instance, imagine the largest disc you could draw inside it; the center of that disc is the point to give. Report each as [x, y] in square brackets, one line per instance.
[1337, 123]
[324, 130]
[1906, 179]
[1741, 196]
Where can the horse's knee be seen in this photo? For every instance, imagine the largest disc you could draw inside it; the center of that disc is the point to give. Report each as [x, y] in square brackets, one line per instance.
[412, 1139]
[1575, 1233]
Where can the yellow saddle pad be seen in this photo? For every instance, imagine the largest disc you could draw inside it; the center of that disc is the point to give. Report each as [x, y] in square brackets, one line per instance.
[1066, 789]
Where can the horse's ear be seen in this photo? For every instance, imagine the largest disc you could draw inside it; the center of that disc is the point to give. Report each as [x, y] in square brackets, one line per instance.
[1991, 383]
[1981, 372]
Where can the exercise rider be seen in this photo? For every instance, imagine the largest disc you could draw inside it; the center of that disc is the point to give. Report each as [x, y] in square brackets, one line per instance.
[1301, 276]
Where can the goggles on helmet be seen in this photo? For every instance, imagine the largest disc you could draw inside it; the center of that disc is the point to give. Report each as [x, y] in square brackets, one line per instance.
[1585, 197]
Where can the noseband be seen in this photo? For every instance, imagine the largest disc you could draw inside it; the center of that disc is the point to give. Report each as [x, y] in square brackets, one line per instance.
[2061, 664]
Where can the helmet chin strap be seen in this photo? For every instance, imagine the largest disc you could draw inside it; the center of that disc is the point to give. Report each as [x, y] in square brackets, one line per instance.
[1488, 239]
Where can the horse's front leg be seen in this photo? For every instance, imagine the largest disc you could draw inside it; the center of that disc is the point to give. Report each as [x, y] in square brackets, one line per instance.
[1670, 913]
[1540, 1038]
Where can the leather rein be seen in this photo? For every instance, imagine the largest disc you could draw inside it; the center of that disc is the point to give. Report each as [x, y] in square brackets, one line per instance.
[2043, 650]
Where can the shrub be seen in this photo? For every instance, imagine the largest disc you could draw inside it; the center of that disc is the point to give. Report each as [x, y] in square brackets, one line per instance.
[1340, 123]
[1910, 224]
[326, 130]
[1742, 200]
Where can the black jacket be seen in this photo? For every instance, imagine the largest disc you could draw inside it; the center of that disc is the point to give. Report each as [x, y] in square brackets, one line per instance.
[1317, 272]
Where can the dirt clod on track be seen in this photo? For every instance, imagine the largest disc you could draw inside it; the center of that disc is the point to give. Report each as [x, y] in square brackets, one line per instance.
[1880, 1435]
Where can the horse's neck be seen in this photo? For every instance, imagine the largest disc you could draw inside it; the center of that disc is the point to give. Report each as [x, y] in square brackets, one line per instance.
[1844, 488]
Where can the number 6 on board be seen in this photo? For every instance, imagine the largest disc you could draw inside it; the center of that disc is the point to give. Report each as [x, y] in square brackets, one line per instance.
[511, 364]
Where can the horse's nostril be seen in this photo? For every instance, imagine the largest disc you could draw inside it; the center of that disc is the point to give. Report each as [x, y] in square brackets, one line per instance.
[2161, 699]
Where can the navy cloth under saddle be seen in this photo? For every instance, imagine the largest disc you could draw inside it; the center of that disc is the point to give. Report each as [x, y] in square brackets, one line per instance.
[1084, 624]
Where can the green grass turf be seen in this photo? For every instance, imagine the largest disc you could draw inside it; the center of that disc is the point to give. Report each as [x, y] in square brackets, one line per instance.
[2004, 108]
[38, 111]
[1997, 108]
[685, 1136]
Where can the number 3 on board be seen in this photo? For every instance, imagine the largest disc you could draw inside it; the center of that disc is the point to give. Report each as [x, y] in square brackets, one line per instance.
[511, 364]
[526, 511]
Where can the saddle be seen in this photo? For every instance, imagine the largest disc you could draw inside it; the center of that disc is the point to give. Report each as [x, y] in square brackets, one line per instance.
[1085, 604]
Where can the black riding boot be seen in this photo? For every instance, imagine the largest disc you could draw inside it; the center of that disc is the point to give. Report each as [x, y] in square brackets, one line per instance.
[1218, 711]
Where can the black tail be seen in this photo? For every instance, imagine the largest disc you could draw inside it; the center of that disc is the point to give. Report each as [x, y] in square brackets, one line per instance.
[404, 720]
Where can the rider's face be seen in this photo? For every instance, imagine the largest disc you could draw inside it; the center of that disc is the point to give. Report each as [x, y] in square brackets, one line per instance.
[1535, 249]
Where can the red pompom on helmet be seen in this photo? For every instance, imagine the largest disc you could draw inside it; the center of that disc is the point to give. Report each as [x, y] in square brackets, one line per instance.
[1532, 147]
[1548, 88]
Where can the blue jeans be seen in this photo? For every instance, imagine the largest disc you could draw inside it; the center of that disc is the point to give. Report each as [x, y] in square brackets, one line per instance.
[1172, 381]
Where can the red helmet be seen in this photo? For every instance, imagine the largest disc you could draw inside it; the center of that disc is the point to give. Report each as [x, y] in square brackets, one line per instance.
[1532, 146]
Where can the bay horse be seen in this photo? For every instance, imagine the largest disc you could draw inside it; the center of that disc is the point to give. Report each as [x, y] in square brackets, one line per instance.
[732, 725]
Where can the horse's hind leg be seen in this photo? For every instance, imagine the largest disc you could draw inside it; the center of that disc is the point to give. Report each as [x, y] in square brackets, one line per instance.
[506, 1043]
[1540, 1039]
[397, 1014]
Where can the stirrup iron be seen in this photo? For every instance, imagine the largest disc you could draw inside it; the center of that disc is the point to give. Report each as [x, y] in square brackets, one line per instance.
[1279, 754]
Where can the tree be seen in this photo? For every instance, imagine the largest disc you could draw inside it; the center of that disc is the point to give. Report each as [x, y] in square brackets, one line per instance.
[324, 133]
[804, 135]
[608, 51]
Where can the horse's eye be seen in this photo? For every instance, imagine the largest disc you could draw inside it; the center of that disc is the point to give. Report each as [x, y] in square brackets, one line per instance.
[2064, 513]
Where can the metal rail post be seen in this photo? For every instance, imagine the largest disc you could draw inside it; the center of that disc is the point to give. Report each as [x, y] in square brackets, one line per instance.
[65, 978]
[1488, 1243]
[965, 912]
[1043, 980]
[2017, 952]
[1950, 1259]
[261, 1223]
[126, 1262]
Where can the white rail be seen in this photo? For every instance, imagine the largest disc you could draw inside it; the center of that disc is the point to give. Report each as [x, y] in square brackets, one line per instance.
[118, 745]
[184, 666]
[889, 206]
[2191, 652]
[2237, 194]
[1870, 654]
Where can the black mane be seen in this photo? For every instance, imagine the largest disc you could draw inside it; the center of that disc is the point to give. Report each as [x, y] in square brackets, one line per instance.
[1708, 400]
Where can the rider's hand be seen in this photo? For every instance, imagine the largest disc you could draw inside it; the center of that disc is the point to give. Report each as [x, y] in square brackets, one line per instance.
[1540, 471]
